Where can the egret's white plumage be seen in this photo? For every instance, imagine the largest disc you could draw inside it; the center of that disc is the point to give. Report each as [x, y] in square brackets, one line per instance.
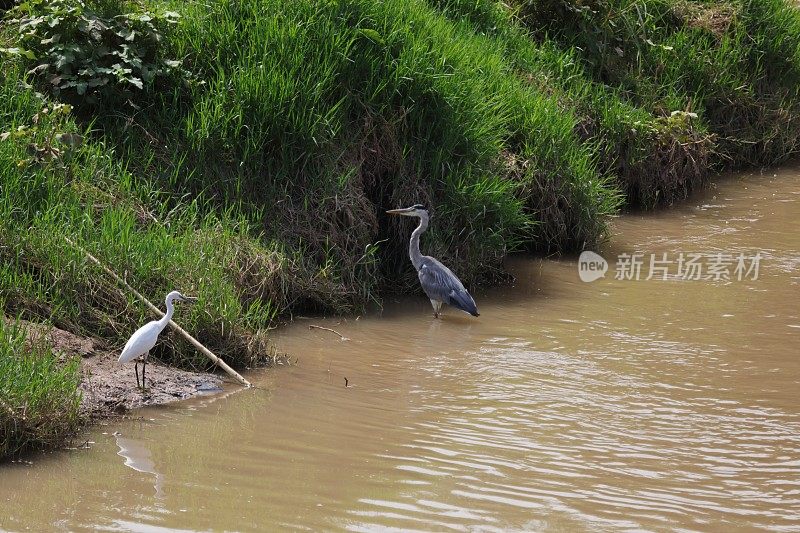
[143, 340]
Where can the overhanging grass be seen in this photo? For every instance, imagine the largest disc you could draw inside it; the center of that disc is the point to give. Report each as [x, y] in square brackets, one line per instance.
[315, 117]
[651, 156]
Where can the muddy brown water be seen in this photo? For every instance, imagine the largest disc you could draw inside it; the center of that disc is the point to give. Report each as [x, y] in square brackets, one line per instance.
[661, 404]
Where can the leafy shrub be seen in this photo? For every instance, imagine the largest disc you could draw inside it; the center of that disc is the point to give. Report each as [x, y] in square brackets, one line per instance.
[88, 56]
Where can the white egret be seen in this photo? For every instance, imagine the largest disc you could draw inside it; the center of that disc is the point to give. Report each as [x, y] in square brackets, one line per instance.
[141, 342]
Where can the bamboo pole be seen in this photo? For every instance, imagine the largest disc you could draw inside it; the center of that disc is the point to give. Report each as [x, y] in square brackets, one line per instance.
[202, 349]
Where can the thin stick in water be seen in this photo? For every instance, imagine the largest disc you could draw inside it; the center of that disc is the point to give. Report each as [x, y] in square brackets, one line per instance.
[329, 329]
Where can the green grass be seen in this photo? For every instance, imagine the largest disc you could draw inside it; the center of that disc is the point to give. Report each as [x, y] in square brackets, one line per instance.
[734, 63]
[39, 400]
[625, 66]
[254, 172]
[314, 117]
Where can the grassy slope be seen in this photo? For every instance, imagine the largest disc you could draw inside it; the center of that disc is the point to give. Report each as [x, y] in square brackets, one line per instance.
[158, 243]
[734, 63]
[637, 73]
[260, 182]
[315, 116]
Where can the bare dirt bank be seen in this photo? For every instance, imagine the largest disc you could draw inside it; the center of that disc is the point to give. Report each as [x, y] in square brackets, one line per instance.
[109, 388]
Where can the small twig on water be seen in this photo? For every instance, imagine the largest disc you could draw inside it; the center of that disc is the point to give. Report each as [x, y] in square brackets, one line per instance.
[329, 329]
[346, 383]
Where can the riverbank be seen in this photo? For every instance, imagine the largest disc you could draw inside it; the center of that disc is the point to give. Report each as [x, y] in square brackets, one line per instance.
[60, 382]
[246, 152]
[109, 388]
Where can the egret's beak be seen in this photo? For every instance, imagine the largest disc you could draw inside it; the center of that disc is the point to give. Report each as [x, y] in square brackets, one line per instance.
[189, 299]
[405, 211]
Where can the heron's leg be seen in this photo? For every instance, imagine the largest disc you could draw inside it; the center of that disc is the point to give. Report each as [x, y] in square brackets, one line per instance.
[437, 307]
[136, 369]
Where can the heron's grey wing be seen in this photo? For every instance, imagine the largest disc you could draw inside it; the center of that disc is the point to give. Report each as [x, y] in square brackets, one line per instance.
[439, 283]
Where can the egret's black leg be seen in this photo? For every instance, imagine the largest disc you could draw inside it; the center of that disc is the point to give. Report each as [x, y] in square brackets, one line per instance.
[144, 367]
[136, 369]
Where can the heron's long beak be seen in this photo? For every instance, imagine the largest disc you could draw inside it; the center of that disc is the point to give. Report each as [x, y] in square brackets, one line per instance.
[405, 211]
[189, 299]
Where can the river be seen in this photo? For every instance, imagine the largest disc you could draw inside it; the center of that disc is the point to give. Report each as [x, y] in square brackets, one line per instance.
[619, 404]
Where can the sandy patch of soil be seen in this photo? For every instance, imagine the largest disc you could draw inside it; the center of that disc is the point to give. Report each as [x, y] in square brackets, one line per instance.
[110, 387]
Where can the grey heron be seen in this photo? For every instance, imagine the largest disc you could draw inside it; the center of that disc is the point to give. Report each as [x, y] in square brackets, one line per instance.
[438, 282]
[143, 340]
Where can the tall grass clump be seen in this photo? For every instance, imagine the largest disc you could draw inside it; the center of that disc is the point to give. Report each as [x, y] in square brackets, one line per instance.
[39, 397]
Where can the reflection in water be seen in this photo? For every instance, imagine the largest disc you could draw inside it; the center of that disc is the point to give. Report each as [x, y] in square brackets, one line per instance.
[612, 405]
[123, 525]
[137, 454]
[138, 457]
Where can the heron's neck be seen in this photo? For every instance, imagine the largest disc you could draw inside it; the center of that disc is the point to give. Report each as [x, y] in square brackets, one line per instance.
[167, 317]
[413, 245]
